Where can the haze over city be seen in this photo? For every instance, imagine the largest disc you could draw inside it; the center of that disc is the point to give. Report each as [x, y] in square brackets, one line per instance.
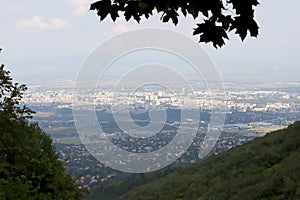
[45, 42]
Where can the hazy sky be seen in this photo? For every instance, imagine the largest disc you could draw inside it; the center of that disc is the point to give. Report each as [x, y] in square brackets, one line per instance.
[46, 41]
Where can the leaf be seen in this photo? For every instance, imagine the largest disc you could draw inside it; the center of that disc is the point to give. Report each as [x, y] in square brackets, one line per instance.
[131, 10]
[226, 21]
[210, 32]
[184, 11]
[103, 8]
[244, 24]
[114, 15]
[171, 14]
[253, 28]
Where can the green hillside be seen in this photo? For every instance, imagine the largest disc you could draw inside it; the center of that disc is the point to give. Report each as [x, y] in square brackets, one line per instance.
[265, 168]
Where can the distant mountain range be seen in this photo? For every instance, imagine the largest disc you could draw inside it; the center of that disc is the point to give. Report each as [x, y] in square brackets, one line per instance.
[264, 168]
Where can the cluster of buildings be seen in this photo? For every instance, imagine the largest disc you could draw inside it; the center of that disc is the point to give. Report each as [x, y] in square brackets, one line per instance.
[81, 164]
[243, 101]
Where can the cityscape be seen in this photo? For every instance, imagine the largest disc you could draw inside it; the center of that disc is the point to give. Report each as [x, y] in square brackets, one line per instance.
[249, 114]
[238, 100]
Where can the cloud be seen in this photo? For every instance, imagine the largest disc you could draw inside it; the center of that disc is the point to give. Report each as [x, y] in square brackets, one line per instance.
[80, 7]
[38, 23]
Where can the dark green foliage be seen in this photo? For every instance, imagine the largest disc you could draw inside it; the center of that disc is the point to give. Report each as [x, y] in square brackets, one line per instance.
[126, 183]
[265, 168]
[218, 17]
[29, 165]
[10, 96]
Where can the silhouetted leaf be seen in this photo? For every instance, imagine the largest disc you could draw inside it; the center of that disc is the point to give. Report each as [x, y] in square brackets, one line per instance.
[241, 18]
[171, 14]
[209, 32]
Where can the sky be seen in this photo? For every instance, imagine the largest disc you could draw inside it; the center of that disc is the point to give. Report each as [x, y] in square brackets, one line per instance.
[45, 42]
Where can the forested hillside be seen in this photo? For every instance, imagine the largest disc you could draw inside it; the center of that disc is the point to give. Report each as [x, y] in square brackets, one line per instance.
[264, 168]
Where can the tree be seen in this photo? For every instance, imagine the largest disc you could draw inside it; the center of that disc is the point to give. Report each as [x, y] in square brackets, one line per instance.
[10, 96]
[218, 17]
[29, 165]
